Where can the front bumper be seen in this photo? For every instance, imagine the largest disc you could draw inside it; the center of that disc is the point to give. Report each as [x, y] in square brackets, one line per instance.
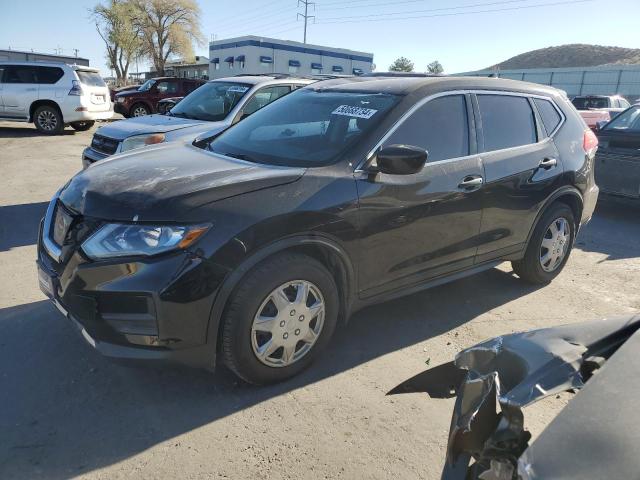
[121, 108]
[142, 309]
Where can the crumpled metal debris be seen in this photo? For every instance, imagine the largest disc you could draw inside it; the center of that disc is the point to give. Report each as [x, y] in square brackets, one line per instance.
[495, 379]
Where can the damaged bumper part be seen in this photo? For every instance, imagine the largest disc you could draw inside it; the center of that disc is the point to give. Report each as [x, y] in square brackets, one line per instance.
[494, 380]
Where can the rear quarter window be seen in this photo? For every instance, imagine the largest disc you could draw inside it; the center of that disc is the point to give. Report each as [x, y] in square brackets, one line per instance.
[507, 121]
[49, 75]
[550, 116]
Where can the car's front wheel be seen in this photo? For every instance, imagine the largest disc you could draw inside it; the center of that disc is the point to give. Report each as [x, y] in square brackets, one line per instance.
[279, 319]
[139, 110]
[82, 126]
[48, 120]
[549, 247]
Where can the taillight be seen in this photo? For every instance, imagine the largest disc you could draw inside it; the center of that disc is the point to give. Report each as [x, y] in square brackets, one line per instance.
[589, 142]
[76, 88]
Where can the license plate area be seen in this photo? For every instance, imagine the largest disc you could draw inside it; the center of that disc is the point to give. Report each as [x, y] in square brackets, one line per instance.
[46, 283]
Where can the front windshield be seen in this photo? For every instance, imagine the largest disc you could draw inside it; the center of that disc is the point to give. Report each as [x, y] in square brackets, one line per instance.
[211, 102]
[146, 85]
[627, 121]
[306, 128]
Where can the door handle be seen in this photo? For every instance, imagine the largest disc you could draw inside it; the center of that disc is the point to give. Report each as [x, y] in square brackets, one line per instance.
[548, 163]
[471, 182]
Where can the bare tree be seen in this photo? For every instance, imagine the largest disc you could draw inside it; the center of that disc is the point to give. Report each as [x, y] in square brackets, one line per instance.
[114, 23]
[168, 27]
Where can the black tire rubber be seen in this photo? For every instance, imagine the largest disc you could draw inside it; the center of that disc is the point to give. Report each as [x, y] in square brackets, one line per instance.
[136, 105]
[259, 282]
[82, 126]
[60, 121]
[529, 268]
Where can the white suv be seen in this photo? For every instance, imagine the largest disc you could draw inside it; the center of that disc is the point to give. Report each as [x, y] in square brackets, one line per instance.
[53, 95]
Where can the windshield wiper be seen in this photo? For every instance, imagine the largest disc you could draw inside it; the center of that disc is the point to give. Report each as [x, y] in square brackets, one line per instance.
[239, 156]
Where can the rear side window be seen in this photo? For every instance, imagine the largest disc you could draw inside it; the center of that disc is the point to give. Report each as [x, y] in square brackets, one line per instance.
[90, 79]
[264, 97]
[440, 126]
[550, 116]
[507, 121]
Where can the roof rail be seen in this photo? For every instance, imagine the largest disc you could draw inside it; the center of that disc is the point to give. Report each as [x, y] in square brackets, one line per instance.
[402, 74]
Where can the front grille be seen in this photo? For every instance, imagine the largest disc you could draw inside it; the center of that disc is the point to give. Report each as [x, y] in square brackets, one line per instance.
[104, 144]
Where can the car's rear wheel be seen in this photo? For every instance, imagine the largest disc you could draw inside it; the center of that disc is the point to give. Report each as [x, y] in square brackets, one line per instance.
[279, 319]
[139, 110]
[48, 120]
[82, 126]
[549, 247]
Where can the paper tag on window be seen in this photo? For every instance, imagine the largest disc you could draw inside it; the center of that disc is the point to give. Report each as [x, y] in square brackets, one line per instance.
[357, 112]
[238, 89]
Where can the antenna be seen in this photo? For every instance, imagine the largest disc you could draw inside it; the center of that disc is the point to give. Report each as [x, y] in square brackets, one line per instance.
[306, 15]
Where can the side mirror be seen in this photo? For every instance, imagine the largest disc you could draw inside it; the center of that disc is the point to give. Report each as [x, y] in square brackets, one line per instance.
[600, 125]
[401, 159]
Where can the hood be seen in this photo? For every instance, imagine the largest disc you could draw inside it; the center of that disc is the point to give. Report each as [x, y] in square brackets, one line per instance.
[152, 124]
[165, 183]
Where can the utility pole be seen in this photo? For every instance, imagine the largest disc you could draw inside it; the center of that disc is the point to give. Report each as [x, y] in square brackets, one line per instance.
[306, 15]
[75, 50]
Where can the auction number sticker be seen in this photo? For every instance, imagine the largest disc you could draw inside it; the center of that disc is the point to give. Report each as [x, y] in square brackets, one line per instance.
[238, 89]
[357, 112]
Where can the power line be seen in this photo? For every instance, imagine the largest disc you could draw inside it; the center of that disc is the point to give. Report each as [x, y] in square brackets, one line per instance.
[454, 14]
[387, 4]
[306, 15]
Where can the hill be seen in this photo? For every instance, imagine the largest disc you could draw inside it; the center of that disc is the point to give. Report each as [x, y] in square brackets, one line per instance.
[573, 55]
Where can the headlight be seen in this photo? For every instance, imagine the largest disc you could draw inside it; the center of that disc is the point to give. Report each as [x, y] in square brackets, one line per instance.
[139, 141]
[120, 240]
[120, 99]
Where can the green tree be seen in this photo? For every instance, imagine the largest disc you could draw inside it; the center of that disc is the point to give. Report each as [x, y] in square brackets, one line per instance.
[168, 28]
[401, 64]
[435, 67]
[114, 23]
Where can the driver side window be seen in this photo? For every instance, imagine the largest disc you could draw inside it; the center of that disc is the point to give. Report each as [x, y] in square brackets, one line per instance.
[167, 87]
[440, 126]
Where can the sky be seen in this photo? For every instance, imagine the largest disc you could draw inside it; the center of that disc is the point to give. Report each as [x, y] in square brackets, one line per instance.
[464, 35]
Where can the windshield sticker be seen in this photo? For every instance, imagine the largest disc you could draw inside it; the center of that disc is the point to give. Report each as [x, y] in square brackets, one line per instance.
[357, 112]
[238, 89]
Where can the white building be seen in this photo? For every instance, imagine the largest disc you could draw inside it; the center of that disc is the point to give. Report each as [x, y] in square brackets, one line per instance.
[256, 55]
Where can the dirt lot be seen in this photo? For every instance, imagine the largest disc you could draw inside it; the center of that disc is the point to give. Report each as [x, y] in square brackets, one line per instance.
[66, 412]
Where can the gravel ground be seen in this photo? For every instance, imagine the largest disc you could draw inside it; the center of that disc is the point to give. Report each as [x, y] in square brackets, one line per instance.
[66, 412]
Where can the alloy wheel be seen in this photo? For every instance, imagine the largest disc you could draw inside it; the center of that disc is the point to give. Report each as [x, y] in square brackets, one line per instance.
[47, 120]
[288, 323]
[555, 244]
[139, 112]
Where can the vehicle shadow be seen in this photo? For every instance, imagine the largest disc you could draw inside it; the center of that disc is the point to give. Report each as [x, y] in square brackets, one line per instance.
[614, 222]
[19, 224]
[22, 130]
[67, 411]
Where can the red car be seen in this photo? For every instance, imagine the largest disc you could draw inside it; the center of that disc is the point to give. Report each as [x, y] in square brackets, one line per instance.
[144, 100]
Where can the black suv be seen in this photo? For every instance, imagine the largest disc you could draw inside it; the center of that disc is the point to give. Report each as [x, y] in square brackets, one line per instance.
[254, 243]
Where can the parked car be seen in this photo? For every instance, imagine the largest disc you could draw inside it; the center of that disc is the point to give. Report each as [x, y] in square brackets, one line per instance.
[52, 95]
[618, 157]
[144, 99]
[212, 108]
[167, 104]
[128, 88]
[595, 109]
[253, 243]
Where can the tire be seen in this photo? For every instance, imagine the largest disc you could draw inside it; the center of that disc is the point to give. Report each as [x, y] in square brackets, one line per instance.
[48, 120]
[540, 264]
[139, 110]
[243, 338]
[82, 126]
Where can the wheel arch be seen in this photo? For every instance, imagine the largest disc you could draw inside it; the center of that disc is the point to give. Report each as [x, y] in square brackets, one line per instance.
[322, 248]
[570, 196]
[146, 104]
[42, 102]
